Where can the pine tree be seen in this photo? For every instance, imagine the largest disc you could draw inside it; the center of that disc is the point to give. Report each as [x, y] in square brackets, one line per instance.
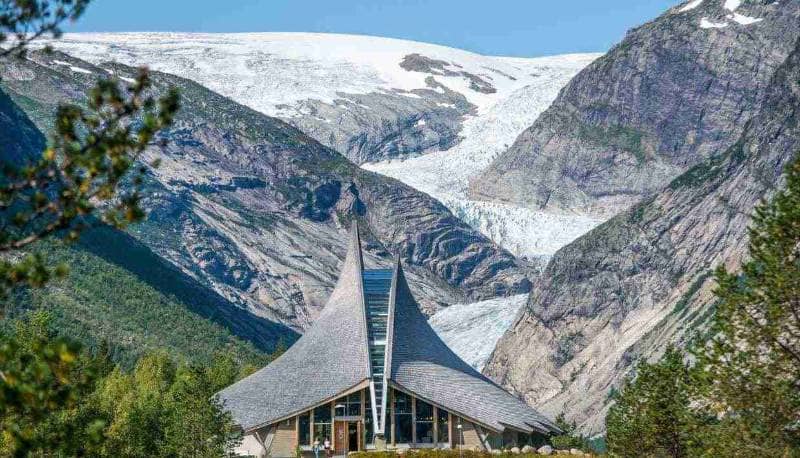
[652, 414]
[752, 362]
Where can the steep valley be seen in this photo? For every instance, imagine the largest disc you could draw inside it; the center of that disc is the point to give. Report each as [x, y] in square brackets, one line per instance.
[251, 207]
[559, 218]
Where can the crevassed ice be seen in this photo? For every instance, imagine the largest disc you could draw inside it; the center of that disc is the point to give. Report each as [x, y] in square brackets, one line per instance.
[445, 174]
[472, 330]
[266, 70]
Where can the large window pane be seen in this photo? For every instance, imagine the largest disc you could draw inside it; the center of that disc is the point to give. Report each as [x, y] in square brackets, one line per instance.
[444, 427]
[402, 402]
[322, 423]
[323, 431]
[348, 406]
[402, 428]
[425, 432]
[369, 427]
[403, 422]
[322, 414]
[304, 426]
[354, 404]
[424, 411]
[340, 407]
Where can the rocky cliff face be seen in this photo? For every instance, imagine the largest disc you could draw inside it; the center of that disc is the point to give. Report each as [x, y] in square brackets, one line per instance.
[673, 93]
[642, 279]
[252, 207]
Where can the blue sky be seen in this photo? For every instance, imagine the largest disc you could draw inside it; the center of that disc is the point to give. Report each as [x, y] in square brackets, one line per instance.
[501, 27]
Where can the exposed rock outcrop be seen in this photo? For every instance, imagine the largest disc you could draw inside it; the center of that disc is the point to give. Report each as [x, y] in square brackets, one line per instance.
[673, 93]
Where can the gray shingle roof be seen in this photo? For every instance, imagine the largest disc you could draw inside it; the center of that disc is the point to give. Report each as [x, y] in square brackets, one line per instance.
[329, 358]
[424, 365]
[332, 357]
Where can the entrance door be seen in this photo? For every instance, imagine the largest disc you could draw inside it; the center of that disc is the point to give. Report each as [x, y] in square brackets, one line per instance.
[340, 436]
[352, 437]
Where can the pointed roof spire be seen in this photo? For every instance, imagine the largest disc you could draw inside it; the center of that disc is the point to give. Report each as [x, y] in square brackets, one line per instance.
[355, 245]
[331, 357]
[420, 362]
[334, 357]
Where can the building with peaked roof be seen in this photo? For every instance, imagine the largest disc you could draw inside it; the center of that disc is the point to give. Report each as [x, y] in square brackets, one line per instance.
[371, 373]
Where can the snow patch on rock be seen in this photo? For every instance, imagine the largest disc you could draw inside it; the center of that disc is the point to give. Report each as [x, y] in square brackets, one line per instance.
[690, 6]
[706, 24]
[731, 5]
[742, 19]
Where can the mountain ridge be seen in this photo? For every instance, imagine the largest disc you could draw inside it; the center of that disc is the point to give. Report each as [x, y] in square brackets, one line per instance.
[623, 291]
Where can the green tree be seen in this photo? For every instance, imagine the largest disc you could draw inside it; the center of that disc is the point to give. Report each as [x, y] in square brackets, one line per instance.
[42, 378]
[570, 437]
[751, 364]
[652, 414]
[164, 409]
[74, 183]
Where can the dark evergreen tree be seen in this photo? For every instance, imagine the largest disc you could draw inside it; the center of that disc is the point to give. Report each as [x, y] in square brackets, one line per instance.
[751, 364]
[652, 415]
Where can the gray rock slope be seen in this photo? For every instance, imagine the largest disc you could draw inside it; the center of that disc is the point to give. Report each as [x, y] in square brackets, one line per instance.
[673, 93]
[643, 279]
[252, 207]
[384, 125]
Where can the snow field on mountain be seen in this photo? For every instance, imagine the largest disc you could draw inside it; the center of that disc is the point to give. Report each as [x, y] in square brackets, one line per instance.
[267, 70]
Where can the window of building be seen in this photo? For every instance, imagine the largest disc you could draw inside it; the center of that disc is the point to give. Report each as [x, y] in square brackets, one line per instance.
[304, 428]
[354, 404]
[349, 406]
[443, 426]
[403, 422]
[369, 426]
[424, 422]
[322, 423]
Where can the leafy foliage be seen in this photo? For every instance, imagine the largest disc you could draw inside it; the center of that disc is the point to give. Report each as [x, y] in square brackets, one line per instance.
[101, 301]
[91, 151]
[570, 437]
[62, 401]
[652, 415]
[40, 375]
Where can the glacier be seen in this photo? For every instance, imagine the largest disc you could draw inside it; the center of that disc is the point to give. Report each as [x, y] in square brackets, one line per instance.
[445, 174]
[279, 73]
[275, 72]
[472, 330]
